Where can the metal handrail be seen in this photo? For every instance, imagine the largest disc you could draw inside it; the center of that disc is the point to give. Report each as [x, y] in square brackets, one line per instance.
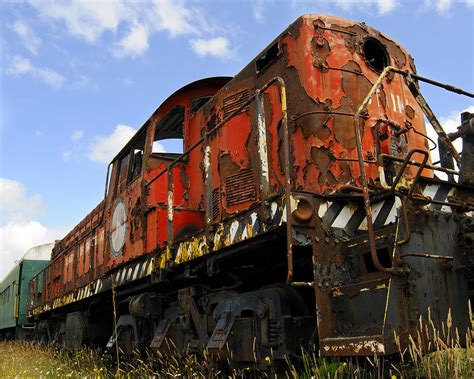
[434, 122]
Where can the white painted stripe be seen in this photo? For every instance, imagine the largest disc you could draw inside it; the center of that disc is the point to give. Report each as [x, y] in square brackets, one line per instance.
[254, 218]
[430, 190]
[447, 208]
[323, 208]
[135, 272]
[344, 216]
[394, 104]
[274, 209]
[375, 211]
[244, 235]
[233, 230]
[392, 216]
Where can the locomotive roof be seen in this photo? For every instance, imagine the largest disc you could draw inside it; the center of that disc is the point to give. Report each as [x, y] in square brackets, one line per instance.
[217, 81]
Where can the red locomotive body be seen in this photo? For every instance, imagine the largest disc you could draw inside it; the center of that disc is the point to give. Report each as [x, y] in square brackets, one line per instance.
[303, 211]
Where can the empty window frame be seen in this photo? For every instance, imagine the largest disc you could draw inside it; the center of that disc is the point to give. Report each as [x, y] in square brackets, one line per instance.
[168, 138]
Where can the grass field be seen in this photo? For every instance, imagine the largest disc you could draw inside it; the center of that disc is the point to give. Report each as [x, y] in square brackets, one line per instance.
[446, 360]
[29, 360]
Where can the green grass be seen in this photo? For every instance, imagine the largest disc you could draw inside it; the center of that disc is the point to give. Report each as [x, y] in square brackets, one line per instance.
[447, 359]
[26, 360]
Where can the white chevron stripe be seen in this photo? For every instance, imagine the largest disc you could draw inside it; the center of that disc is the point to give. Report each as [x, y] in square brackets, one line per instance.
[392, 216]
[323, 208]
[274, 209]
[344, 216]
[430, 190]
[375, 211]
[233, 230]
[447, 208]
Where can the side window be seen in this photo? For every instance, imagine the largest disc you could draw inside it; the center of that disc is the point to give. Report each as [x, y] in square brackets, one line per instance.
[123, 173]
[168, 139]
[137, 151]
[131, 163]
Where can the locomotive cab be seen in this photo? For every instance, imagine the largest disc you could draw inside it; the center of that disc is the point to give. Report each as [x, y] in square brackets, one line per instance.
[144, 176]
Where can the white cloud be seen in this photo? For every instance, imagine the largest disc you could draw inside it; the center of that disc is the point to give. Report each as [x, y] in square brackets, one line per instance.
[83, 82]
[104, 148]
[90, 20]
[67, 155]
[444, 6]
[18, 231]
[39, 133]
[19, 66]
[14, 198]
[175, 18]
[134, 44]
[217, 47]
[258, 8]
[17, 236]
[85, 19]
[127, 82]
[77, 135]
[382, 6]
[28, 38]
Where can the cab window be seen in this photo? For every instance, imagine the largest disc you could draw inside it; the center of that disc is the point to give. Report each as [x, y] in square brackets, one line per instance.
[130, 163]
[168, 139]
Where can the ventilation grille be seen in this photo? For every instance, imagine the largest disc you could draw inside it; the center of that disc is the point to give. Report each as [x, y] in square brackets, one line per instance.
[216, 209]
[240, 187]
[235, 101]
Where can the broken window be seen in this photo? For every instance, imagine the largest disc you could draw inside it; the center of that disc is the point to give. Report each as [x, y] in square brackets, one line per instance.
[137, 151]
[130, 163]
[375, 54]
[168, 139]
[267, 58]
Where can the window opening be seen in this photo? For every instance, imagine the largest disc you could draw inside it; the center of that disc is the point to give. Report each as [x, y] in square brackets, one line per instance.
[375, 54]
[268, 57]
[168, 139]
[137, 150]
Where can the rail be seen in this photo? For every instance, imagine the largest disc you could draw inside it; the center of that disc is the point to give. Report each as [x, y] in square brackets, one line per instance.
[443, 138]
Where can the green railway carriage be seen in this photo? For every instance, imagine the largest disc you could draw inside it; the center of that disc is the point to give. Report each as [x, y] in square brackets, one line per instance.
[14, 290]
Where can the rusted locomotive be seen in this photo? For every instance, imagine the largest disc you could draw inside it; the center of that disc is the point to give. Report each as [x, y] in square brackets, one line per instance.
[304, 211]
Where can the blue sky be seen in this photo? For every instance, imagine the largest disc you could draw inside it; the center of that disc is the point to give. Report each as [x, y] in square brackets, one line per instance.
[78, 77]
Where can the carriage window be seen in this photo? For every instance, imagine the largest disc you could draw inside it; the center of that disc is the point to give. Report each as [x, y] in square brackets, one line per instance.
[168, 140]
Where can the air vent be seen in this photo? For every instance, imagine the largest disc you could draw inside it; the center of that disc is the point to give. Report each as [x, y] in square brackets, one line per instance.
[235, 101]
[216, 209]
[240, 187]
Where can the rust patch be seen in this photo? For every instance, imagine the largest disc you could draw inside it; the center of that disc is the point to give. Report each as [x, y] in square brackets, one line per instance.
[409, 111]
[321, 50]
[226, 164]
[394, 51]
[324, 159]
[316, 123]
